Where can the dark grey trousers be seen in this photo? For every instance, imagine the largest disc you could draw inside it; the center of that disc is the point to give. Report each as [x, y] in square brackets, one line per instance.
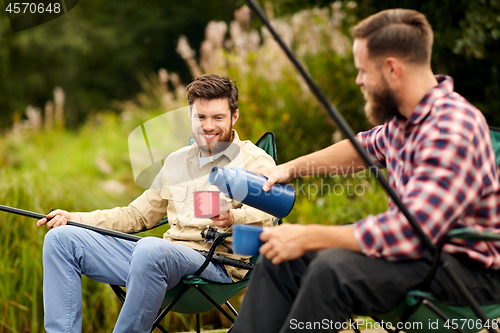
[328, 286]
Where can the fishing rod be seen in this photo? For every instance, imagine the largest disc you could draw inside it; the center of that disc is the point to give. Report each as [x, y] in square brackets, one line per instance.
[103, 231]
[349, 133]
[214, 257]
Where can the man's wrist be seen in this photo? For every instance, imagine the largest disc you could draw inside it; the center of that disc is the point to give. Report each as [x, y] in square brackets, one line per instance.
[75, 217]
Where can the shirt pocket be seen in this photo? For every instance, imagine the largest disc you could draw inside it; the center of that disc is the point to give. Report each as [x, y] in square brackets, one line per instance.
[174, 193]
[176, 197]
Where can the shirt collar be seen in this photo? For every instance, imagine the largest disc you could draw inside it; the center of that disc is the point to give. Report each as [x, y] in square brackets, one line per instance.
[443, 88]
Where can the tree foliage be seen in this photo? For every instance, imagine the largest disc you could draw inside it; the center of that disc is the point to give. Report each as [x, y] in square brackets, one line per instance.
[97, 51]
[466, 45]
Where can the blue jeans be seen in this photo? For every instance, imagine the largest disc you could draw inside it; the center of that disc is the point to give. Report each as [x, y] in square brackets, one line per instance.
[146, 268]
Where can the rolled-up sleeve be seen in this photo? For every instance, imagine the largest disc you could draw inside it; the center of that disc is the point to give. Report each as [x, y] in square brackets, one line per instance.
[374, 142]
[144, 212]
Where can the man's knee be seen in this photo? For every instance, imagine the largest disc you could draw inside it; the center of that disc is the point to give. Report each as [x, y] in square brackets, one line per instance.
[60, 242]
[265, 263]
[337, 264]
[287, 270]
[148, 250]
[62, 235]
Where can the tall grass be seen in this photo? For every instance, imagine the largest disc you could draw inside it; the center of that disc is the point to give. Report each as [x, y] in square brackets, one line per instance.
[44, 170]
[90, 169]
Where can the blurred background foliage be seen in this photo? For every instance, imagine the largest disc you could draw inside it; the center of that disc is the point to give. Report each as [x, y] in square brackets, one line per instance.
[74, 88]
[97, 52]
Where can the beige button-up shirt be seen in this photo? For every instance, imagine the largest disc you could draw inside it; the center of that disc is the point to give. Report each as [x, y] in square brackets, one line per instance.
[172, 194]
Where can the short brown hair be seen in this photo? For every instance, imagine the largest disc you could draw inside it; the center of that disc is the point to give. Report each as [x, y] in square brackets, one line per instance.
[213, 86]
[399, 32]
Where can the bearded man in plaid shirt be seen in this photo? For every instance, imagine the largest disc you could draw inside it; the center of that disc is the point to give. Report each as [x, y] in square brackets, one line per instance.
[439, 158]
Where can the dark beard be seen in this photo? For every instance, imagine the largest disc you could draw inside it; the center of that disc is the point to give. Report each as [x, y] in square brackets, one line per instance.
[380, 104]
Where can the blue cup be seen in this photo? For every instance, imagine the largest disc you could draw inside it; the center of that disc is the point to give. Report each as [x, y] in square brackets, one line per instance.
[246, 239]
[246, 187]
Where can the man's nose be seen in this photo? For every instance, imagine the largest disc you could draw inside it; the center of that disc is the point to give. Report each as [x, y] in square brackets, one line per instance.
[359, 80]
[208, 125]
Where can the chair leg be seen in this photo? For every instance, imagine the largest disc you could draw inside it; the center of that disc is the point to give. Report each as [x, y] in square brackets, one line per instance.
[119, 292]
[386, 328]
[161, 329]
[167, 309]
[197, 323]
[355, 328]
[230, 307]
[440, 313]
[214, 303]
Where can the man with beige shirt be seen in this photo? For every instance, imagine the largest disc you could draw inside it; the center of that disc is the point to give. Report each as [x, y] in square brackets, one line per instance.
[151, 266]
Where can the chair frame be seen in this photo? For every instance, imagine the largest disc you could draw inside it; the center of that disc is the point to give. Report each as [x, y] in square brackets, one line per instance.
[417, 298]
[121, 294]
[192, 281]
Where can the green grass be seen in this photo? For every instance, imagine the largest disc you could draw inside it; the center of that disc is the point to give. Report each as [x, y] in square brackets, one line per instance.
[335, 201]
[45, 170]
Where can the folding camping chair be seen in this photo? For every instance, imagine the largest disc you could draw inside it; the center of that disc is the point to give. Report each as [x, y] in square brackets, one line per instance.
[420, 307]
[195, 295]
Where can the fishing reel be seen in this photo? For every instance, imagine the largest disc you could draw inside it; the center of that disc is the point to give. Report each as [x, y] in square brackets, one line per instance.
[210, 234]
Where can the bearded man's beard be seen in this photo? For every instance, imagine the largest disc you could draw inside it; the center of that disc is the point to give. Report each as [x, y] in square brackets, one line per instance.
[380, 104]
[213, 148]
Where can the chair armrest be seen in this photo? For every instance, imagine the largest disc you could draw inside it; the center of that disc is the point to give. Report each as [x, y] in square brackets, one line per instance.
[463, 233]
[159, 224]
[472, 235]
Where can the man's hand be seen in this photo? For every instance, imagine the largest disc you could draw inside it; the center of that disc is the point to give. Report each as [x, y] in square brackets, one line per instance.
[59, 218]
[225, 219]
[291, 241]
[277, 174]
[284, 242]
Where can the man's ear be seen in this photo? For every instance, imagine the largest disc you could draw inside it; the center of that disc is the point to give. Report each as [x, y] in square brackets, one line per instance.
[391, 69]
[235, 116]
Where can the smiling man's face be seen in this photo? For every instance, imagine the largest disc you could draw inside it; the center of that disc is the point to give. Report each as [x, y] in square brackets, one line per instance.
[212, 124]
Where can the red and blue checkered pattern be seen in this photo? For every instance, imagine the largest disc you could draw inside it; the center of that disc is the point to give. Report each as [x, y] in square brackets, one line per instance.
[441, 163]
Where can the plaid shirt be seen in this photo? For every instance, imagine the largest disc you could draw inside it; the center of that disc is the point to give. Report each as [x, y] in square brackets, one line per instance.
[441, 163]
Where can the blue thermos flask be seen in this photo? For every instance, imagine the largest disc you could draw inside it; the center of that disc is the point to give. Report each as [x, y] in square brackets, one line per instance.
[246, 187]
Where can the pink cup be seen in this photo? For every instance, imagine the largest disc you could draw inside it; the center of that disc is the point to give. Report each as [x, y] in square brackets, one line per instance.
[206, 204]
